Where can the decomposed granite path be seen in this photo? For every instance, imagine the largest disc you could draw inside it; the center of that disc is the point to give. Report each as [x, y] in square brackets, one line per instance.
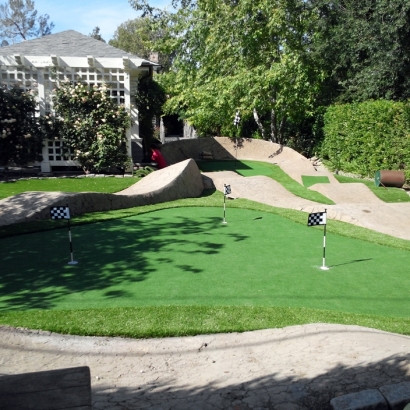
[295, 368]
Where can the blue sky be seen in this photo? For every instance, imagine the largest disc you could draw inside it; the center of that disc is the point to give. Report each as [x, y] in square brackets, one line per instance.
[84, 15]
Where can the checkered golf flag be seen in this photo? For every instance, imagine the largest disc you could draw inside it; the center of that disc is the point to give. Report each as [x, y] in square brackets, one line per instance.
[227, 189]
[318, 218]
[60, 212]
[237, 119]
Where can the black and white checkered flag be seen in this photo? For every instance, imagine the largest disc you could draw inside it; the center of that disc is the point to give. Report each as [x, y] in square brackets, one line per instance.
[60, 212]
[237, 119]
[227, 189]
[318, 218]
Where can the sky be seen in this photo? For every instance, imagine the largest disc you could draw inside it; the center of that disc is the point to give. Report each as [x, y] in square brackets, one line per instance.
[84, 15]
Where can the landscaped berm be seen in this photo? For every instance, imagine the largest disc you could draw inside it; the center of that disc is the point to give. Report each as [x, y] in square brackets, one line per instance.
[264, 326]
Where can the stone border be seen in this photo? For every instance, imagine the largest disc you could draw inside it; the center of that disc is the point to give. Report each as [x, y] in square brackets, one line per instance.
[389, 397]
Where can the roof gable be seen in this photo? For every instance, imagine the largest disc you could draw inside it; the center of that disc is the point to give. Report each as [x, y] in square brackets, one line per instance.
[68, 43]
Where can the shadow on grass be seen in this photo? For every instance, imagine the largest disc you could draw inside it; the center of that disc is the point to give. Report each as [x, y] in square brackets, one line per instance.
[273, 391]
[35, 273]
[350, 262]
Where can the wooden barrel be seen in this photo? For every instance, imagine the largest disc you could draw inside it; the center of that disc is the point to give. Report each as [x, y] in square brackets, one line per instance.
[389, 178]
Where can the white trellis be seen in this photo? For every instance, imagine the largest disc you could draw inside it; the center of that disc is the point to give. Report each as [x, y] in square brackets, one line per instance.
[31, 69]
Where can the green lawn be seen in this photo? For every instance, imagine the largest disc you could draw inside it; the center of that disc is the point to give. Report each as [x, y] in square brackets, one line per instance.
[312, 180]
[173, 269]
[385, 194]
[182, 259]
[106, 184]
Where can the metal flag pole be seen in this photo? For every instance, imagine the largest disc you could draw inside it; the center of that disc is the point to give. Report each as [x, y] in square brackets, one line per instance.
[224, 221]
[63, 212]
[324, 267]
[227, 190]
[236, 151]
[236, 122]
[72, 261]
[320, 218]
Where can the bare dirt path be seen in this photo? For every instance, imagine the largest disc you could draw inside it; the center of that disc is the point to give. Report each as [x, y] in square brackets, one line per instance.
[355, 203]
[295, 368]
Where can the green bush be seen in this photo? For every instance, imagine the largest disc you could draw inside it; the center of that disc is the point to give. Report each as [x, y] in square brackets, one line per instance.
[93, 126]
[21, 139]
[143, 172]
[365, 137]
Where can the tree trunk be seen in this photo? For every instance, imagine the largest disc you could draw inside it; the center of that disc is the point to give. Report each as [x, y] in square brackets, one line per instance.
[282, 130]
[259, 123]
[273, 126]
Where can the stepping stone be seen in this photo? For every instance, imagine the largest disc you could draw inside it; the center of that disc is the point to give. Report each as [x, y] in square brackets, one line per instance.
[370, 399]
[397, 395]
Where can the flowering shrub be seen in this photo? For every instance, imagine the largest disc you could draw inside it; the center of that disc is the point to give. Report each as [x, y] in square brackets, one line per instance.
[92, 125]
[21, 139]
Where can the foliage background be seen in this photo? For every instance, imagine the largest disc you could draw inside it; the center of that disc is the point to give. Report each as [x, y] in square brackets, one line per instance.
[365, 137]
[21, 139]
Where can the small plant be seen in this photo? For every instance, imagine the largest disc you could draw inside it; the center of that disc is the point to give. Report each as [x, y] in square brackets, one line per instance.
[143, 172]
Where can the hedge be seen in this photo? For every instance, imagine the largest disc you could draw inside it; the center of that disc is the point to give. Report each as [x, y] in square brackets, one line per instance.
[362, 138]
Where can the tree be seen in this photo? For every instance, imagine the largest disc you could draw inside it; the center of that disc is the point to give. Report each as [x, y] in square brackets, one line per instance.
[149, 99]
[244, 55]
[21, 139]
[96, 34]
[140, 37]
[19, 21]
[364, 45]
[93, 126]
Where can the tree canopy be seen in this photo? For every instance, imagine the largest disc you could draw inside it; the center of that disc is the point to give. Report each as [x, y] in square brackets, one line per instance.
[241, 55]
[19, 20]
[21, 139]
[140, 37]
[96, 34]
[365, 47]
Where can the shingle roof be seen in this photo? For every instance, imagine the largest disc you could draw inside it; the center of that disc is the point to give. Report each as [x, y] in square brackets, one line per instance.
[68, 43]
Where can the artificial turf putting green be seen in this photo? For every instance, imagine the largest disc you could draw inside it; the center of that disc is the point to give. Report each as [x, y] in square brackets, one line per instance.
[310, 180]
[186, 256]
[244, 168]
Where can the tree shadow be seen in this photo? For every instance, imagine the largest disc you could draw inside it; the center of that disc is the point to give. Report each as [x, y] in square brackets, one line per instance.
[270, 392]
[35, 273]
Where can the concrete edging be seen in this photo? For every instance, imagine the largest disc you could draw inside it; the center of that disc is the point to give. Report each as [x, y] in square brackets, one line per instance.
[389, 397]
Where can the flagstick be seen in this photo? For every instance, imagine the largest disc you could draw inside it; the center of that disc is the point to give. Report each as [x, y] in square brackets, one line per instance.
[236, 149]
[72, 262]
[224, 221]
[324, 267]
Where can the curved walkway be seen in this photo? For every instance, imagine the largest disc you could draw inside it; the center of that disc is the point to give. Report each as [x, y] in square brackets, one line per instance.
[355, 203]
[295, 368]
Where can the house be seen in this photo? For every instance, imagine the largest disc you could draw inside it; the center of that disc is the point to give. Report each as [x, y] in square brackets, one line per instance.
[36, 64]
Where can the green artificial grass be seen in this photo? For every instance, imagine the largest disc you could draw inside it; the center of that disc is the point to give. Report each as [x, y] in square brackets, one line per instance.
[35, 291]
[311, 180]
[252, 168]
[209, 198]
[106, 185]
[166, 321]
[187, 257]
[385, 194]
